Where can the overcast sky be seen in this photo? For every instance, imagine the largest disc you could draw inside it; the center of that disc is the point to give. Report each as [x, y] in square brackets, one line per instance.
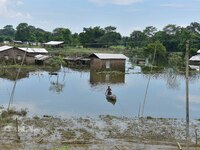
[126, 15]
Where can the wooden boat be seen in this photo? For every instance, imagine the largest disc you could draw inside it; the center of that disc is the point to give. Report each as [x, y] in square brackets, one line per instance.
[53, 73]
[111, 97]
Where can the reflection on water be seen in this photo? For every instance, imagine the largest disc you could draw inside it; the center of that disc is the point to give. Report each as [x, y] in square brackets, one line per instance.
[75, 92]
[112, 101]
[102, 78]
[56, 86]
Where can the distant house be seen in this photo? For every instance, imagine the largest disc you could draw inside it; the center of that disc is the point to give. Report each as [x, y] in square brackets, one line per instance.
[195, 60]
[14, 54]
[105, 61]
[17, 42]
[54, 44]
[6, 42]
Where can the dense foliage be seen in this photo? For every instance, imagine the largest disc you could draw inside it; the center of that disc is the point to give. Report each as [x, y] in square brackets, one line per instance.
[170, 39]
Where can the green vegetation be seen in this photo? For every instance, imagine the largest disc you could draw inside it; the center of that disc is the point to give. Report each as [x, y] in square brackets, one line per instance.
[140, 44]
[11, 112]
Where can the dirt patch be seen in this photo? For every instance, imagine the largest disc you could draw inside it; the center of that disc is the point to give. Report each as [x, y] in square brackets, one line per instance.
[101, 133]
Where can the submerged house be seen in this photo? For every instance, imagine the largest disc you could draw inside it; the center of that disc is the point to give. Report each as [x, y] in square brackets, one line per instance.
[42, 59]
[107, 62]
[14, 54]
[195, 60]
[32, 52]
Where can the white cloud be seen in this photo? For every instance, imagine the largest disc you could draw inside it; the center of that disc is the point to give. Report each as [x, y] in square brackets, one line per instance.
[7, 9]
[117, 2]
[174, 5]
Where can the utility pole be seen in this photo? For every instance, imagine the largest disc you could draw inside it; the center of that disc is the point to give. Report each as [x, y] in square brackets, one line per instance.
[187, 93]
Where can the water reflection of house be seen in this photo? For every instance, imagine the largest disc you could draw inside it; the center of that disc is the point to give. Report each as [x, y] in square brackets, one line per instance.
[14, 54]
[12, 73]
[104, 61]
[195, 60]
[102, 78]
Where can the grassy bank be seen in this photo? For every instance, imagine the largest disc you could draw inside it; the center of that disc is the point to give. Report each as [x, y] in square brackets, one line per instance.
[101, 133]
[76, 51]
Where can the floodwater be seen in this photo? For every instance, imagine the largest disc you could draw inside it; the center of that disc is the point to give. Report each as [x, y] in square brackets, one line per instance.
[82, 93]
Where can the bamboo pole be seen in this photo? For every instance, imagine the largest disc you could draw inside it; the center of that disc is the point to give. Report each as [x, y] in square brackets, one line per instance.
[147, 87]
[14, 86]
[187, 93]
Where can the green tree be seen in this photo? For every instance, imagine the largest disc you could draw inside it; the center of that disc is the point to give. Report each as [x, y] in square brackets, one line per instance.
[90, 37]
[160, 52]
[22, 33]
[42, 36]
[75, 40]
[9, 31]
[150, 31]
[62, 34]
[111, 37]
[137, 39]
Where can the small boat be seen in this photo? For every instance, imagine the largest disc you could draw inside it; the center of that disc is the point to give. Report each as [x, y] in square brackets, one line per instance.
[111, 97]
[53, 73]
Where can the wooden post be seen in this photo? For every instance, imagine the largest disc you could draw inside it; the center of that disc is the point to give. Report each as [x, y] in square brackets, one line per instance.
[187, 93]
[196, 137]
[17, 130]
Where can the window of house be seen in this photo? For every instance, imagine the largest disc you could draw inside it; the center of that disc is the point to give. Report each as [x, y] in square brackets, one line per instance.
[108, 64]
[6, 57]
[19, 57]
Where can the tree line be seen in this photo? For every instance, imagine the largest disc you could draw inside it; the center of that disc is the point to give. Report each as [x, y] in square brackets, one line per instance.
[171, 37]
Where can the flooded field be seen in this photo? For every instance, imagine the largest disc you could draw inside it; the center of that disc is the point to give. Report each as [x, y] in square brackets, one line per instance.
[80, 93]
[68, 109]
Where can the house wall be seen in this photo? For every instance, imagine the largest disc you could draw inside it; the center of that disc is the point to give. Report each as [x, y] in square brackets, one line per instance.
[107, 64]
[16, 55]
[12, 55]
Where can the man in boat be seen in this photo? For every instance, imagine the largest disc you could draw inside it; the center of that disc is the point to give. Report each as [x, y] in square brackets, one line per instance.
[108, 91]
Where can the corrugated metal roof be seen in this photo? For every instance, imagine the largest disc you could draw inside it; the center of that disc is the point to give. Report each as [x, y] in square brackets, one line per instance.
[54, 43]
[41, 57]
[110, 56]
[195, 58]
[3, 48]
[34, 50]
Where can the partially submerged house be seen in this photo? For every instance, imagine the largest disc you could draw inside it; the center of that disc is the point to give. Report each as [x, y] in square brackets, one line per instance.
[56, 44]
[73, 61]
[107, 62]
[11, 53]
[195, 60]
[42, 59]
[32, 52]
[14, 54]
